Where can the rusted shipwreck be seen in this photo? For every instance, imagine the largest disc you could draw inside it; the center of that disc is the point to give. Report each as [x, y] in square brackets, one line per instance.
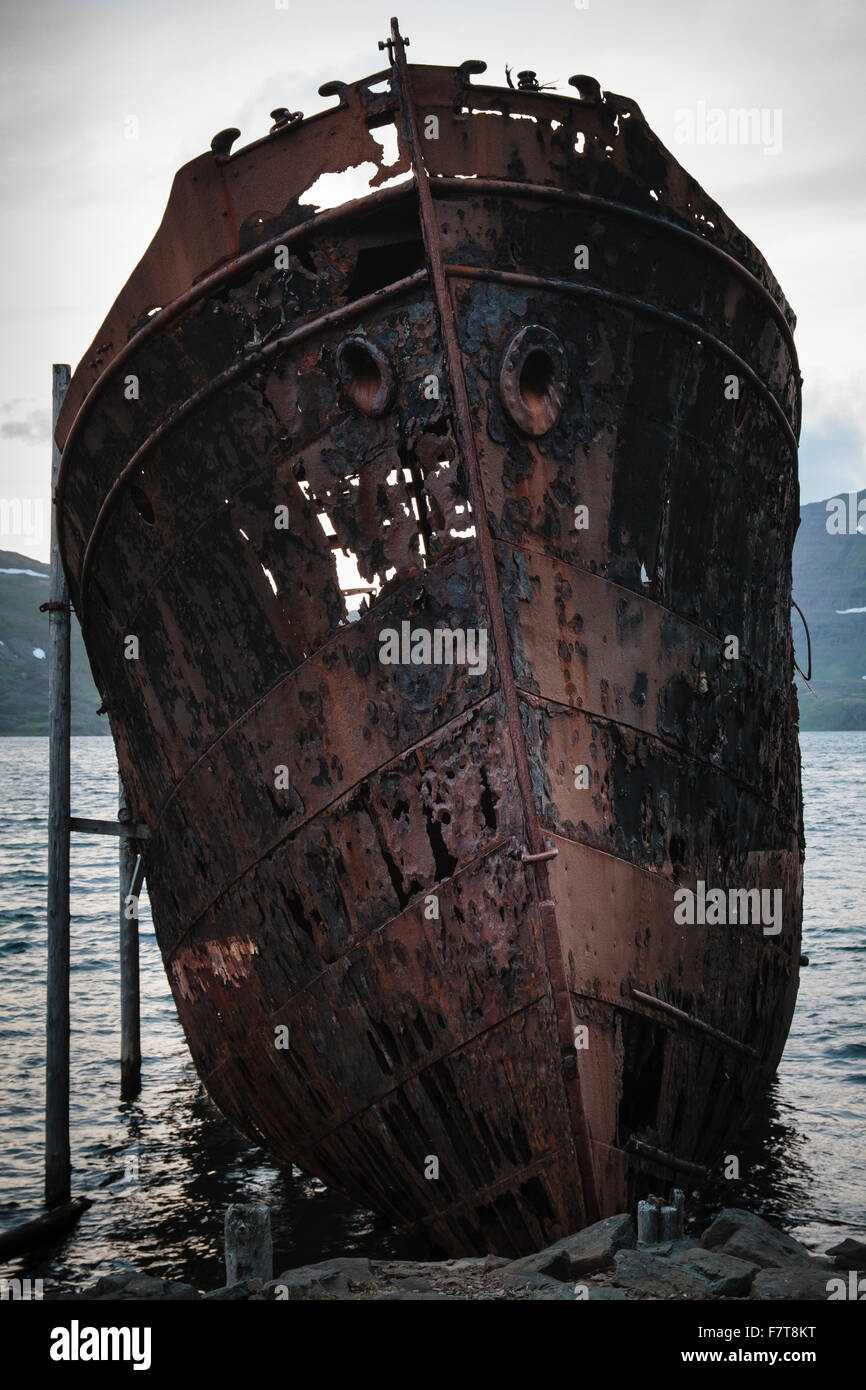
[416, 909]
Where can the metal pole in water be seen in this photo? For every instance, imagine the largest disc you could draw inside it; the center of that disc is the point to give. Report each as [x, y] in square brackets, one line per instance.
[130, 1007]
[57, 1158]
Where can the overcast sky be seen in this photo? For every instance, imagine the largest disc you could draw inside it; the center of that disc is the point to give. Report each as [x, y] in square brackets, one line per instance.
[80, 201]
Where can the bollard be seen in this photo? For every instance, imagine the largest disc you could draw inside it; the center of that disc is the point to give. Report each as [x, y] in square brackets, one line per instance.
[249, 1248]
[668, 1223]
[647, 1223]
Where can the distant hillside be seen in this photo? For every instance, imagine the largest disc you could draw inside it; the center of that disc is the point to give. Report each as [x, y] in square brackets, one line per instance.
[830, 575]
[23, 663]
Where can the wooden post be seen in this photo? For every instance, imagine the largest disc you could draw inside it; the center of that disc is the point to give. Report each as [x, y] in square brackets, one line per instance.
[130, 1007]
[57, 1158]
[30, 1235]
[249, 1247]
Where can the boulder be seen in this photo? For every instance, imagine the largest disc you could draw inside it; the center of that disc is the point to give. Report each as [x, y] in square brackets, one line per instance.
[328, 1276]
[671, 1248]
[404, 1269]
[135, 1285]
[584, 1252]
[659, 1278]
[749, 1237]
[794, 1282]
[412, 1284]
[849, 1254]
[727, 1276]
[582, 1292]
[234, 1293]
[553, 1293]
[356, 1268]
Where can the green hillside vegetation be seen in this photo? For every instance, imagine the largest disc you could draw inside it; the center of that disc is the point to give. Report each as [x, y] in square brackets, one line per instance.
[829, 575]
[23, 673]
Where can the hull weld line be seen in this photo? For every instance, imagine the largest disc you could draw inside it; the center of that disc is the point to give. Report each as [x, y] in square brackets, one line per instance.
[636, 306]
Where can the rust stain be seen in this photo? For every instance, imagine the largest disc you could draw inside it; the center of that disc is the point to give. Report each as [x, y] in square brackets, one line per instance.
[420, 410]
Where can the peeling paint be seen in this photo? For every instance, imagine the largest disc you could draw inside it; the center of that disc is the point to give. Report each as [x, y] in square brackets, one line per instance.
[375, 896]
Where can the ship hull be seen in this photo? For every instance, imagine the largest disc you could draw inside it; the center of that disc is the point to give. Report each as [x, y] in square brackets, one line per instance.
[424, 923]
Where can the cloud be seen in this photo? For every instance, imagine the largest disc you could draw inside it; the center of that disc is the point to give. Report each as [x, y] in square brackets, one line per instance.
[832, 458]
[33, 426]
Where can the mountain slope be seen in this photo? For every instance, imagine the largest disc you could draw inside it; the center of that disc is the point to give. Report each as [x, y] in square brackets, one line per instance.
[23, 671]
[829, 576]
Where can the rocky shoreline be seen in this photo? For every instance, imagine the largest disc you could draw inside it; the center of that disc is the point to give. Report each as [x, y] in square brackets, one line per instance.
[739, 1256]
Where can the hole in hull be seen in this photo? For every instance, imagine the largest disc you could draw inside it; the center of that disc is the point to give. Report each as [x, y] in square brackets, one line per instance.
[366, 375]
[380, 266]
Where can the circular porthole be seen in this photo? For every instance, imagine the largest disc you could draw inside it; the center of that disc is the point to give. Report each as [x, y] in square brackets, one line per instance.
[366, 375]
[532, 379]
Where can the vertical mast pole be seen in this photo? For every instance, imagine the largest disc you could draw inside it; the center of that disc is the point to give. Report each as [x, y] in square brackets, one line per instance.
[130, 1004]
[57, 1156]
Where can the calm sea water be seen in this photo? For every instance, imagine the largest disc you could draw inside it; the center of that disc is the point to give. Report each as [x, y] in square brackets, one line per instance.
[163, 1168]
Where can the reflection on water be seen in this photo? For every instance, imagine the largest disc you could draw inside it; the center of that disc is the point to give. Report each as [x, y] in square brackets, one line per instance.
[162, 1169]
[775, 1175]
